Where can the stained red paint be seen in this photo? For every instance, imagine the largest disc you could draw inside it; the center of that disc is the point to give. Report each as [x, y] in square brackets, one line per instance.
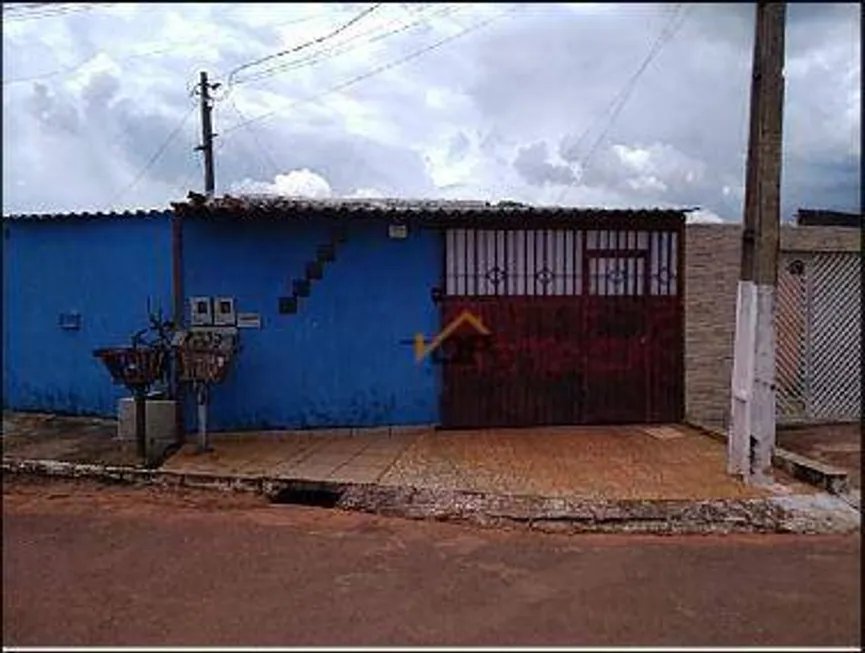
[568, 359]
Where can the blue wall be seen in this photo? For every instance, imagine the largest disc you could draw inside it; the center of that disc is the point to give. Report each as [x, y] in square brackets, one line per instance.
[101, 268]
[343, 358]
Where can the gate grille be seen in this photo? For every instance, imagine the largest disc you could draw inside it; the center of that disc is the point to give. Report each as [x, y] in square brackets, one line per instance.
[791, 332]
[834, 365]
[556, 262]
[817, 324]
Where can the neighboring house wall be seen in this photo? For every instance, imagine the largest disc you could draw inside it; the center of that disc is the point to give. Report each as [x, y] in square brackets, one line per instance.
[712, 262]
[345, 358]
[103, 269]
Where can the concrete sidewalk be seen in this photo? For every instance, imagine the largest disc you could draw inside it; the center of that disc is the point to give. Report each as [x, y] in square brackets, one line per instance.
[661, 479]
[628, 462]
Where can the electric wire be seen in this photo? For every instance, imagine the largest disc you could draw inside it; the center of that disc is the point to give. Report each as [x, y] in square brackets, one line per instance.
[265, 151]
[304, 45]
[378, 70]
[153, 159]
[668, 32]
[68, 70]
[662, 42]
[326, 54]
[54, 11]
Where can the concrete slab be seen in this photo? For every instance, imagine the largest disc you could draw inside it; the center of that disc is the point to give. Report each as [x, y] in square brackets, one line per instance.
[663, 433]
[377, 462]
[353, 474]
[838, 445]
[310, 472]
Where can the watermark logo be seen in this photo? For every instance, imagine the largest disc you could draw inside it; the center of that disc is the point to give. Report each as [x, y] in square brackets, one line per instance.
[422, 350]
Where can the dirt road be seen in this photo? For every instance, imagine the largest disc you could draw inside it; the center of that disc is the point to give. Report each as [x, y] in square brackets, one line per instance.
[89, 565]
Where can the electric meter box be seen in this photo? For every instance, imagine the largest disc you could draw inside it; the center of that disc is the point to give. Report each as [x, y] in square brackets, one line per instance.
[201, 311]
[223, 311]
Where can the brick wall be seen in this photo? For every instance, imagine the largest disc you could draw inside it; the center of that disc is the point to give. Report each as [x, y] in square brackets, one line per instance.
[711, 278]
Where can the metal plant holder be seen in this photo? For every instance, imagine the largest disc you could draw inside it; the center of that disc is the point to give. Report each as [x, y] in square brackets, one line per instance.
[137, 368]
[205, 357]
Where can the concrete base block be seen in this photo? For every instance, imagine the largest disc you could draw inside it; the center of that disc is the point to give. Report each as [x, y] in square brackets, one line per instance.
[161, 422]
[826, 477]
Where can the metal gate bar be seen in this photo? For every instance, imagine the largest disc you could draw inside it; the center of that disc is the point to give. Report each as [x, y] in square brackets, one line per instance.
[817, 329]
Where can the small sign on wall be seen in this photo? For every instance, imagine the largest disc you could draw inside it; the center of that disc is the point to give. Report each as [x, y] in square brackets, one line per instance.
[398, 231]
[248, 321]
[70, 321]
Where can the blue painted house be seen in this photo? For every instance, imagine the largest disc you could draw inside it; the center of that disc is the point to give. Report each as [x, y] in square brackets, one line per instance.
[336, 353]
[73, 283]
[576, 313]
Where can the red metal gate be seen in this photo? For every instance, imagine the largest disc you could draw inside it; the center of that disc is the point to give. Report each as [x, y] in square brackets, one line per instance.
[586, 327]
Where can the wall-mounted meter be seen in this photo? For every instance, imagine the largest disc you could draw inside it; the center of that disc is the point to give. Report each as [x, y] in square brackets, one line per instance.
[223, 311]
[201, 311]
[397, 231]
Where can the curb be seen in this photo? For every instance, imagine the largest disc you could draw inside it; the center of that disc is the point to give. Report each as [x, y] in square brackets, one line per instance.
[825, 477]
[784, 514]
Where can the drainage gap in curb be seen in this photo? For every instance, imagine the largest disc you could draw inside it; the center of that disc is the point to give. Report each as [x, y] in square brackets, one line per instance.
[315, 497]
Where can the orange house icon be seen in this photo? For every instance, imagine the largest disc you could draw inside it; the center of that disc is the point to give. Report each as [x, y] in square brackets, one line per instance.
[421, 350]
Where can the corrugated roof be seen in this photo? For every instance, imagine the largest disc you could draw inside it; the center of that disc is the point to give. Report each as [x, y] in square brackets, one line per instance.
[252, 206]
[99, 215]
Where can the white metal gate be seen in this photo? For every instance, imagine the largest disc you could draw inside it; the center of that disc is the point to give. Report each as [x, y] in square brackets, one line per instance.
[817, 326]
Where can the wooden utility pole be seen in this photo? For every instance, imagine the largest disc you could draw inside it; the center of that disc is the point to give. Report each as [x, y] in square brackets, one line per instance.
[207, 133]
[751, 439]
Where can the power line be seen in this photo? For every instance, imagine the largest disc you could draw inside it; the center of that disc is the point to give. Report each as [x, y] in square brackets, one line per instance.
[618, 96]
[19, 7]
[67, 70]
[662, 41]
[327, 54]
[71, 69]
[153, 158]
[27, 8]
[52, 10]
[270, 160]
[621, 98]
[334, 51]
[307, 44]
[378, 70]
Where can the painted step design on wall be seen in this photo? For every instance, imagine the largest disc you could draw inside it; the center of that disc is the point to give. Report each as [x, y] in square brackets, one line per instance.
[314, 271]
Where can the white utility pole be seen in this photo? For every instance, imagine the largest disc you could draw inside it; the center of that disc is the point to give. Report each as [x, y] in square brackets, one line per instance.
[751, 437]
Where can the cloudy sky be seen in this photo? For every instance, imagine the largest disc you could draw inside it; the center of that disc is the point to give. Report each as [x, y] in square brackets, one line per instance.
[585, 104]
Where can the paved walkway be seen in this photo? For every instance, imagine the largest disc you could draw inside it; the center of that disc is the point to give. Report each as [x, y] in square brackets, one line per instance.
[631, 462]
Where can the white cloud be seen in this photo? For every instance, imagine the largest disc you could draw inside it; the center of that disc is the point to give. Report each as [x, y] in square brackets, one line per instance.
[658, 165]
[703, 216]
[297, 183]
[648, 183]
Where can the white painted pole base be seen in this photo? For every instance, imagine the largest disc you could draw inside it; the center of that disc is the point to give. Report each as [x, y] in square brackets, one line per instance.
[751, 436]
[742, 380]
[763, 406]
